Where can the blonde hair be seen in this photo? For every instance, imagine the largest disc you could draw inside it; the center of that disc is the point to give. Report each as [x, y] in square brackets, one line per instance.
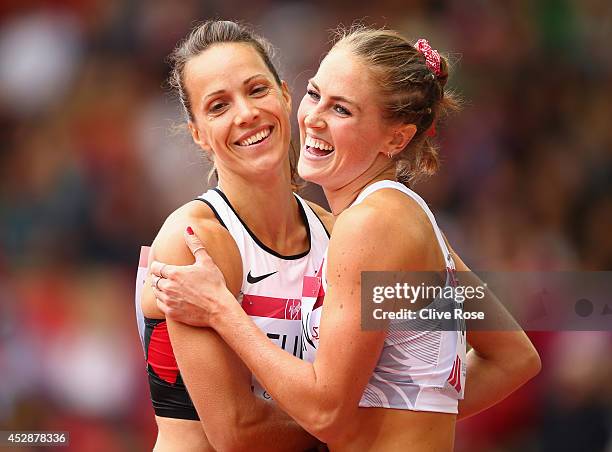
[412, 93]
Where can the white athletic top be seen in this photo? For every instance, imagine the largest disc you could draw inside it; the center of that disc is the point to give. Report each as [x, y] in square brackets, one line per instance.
[272, 283]
[420, 368]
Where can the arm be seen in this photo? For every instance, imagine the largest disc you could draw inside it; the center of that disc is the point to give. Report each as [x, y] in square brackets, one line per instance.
[218, 382]
[322, 396]
[500, 361]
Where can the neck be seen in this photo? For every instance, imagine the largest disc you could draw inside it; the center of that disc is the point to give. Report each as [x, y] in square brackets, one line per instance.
[340, 198]
[268, 207]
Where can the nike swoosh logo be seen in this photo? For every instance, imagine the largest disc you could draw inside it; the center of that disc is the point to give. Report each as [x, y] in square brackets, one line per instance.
[256, 279]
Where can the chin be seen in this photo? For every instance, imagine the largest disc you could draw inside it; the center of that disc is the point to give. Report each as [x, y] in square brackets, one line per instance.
[268, 165]
[307, 172]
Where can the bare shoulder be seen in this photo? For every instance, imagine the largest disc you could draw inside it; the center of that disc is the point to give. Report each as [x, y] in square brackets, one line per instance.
[169, 246]
[326, 217]
[387, 231]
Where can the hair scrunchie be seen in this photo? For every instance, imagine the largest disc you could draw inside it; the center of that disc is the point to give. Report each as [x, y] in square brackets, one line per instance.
[432, 57]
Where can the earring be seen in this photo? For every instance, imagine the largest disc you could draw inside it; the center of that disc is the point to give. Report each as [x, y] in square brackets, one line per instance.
[389, 155]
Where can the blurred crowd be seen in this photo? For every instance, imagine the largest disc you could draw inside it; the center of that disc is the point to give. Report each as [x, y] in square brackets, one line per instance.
[94, 155]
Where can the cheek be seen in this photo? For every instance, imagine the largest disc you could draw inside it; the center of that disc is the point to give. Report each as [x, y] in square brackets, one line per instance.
[217, 131]
[356, 144]
[272, 102]
[277, 107]
[283, 112]
[216, 134]
[348, 138]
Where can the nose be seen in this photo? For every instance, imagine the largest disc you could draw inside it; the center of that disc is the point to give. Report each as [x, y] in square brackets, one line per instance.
[313, 120]
[246, 114]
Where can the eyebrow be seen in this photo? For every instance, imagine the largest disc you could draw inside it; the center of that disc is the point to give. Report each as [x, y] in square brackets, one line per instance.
[246, 82]
[340, 98]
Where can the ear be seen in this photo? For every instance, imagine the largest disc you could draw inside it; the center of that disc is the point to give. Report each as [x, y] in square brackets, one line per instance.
[286, 94]
[401, 136]
[198, 137]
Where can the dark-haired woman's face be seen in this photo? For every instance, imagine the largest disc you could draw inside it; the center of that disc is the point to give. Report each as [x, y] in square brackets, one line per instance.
[240, 114]
[342, 131]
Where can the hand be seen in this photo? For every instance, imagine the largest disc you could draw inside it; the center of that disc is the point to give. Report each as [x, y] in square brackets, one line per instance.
[190, 293]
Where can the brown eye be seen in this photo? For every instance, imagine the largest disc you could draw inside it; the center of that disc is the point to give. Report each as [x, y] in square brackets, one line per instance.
[260, 90]
[217, 107]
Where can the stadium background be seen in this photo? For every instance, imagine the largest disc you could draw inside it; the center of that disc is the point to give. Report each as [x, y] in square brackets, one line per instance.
[92, 160]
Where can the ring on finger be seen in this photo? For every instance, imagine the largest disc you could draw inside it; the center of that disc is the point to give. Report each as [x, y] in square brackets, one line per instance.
[157, 283]
[197, 249]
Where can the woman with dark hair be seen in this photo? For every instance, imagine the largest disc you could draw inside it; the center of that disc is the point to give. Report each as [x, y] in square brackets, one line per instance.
[366, 124]
[264, 238]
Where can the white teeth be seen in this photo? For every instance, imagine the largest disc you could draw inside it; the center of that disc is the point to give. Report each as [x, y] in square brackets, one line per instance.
[257, 137]
[315, 143]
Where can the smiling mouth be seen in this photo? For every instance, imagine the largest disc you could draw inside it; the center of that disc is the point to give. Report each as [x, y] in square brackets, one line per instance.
[317, 147]
[256, 138]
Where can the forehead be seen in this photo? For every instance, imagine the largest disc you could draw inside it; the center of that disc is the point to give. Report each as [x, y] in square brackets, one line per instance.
[223, 64]
[344, 74]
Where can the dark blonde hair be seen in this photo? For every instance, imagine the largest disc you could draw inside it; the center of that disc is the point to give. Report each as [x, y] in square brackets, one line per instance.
[206, 35]
[411, 92]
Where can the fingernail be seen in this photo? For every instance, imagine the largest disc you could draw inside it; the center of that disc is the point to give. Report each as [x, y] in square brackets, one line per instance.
[189, 230]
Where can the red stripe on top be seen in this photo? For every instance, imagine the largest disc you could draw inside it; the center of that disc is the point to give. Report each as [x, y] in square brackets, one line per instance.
[319, 301]
[311, 286]
[144, 256]
[454, 379]
[320, 298]
[272, 308]
[451, 377]
[160, 355]
[458, 385]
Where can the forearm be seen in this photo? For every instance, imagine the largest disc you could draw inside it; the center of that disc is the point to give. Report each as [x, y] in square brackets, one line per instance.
[273, 429]
[219, 385]
[490, 381]
[291, 382]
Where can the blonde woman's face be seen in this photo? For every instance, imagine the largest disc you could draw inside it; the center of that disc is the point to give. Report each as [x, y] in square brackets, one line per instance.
[342, 131]
[241, 115]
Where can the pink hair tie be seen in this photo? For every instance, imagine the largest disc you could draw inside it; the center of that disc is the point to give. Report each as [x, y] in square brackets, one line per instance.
[432, 57]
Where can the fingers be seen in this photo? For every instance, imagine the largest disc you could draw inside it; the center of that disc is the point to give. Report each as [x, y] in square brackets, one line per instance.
[164, 292]
[181, 313]
[155, 282]
[161, 270]
[164, 301]
[171, 308]
[158, 286]
[169, 312]
[196, 246]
